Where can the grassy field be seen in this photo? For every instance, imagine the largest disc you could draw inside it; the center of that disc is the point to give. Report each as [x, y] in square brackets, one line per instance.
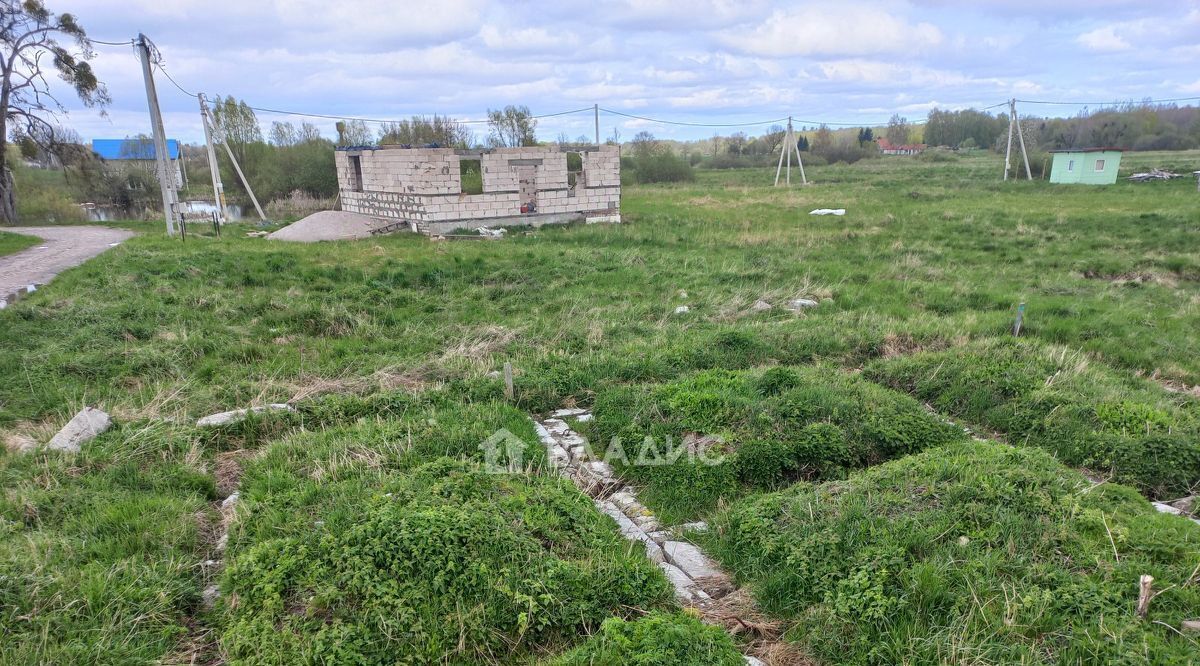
[389, 347]
[11, 243]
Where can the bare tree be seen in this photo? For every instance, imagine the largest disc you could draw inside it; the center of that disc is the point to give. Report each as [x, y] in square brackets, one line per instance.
[29, 35]
[354, 133]
[512, 126]
[441, 130]
[897, 130]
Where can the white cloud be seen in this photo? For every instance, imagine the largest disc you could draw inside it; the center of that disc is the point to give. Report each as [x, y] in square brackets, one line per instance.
[843, 29]
[1104, 39]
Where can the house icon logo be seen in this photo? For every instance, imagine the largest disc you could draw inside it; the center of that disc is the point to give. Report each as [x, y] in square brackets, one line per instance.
[503, 453]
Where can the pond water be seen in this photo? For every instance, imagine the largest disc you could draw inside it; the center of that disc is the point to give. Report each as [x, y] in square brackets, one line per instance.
[103, 213]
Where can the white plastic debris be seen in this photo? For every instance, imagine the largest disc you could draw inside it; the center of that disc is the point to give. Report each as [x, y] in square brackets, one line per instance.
[681, 309]
[490, 232]
[829, 211]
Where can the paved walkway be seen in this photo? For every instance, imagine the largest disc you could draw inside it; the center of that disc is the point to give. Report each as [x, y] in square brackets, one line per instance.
[62, 248]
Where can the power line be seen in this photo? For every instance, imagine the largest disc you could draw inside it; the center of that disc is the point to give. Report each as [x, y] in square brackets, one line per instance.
[128, 42]
[1110, 102]
[172, 80]
[688, 124]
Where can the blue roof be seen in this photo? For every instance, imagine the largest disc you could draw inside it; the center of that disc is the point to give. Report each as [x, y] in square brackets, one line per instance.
[131, 149]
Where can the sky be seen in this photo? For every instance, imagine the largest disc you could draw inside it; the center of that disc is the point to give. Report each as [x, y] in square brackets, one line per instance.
[697, 61]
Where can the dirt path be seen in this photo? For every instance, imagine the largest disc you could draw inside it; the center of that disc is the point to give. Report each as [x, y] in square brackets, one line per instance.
[62, 248]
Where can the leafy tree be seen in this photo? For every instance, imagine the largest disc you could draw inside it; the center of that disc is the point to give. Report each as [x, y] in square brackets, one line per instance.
[643, 143]
[823, 140]
[866, 135]
[287, 134]
[237, 121]
[511, 126]
[29, 36]
[802, 143]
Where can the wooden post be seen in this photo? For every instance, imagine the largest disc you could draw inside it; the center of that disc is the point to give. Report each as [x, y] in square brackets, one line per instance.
[508, 381]
[1020, 320]
[1145, 594]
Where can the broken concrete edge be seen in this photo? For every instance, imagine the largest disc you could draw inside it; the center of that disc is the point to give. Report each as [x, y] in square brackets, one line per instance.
[696, 578]
[236, 415]
[85, 426]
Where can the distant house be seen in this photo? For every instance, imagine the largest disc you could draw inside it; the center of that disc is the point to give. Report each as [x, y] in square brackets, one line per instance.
[137, 153]
[1086, 166]
[888, 148]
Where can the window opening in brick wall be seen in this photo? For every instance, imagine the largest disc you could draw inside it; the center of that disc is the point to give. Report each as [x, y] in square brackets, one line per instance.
[356, 179]
[471, 172]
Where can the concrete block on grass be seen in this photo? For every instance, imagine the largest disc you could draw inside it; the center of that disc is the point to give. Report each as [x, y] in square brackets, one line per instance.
[83, 427]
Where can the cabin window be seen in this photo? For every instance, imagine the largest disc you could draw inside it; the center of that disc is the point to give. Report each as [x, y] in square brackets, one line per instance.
[1099, 165]
[1071, 165]
[356, 184]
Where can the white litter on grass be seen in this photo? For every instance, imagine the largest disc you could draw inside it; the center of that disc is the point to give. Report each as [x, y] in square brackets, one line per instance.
[681, 309]
[491, 233]
[829, 211]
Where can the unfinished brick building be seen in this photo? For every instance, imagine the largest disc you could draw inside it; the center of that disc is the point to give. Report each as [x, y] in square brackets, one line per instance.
[422, 188]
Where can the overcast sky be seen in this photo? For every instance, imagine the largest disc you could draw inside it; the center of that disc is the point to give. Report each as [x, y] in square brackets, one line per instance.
[705, 61]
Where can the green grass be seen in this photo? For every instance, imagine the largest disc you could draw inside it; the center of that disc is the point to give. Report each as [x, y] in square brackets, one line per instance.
[917, 284]
[1122, 428]
[774, 428]
[11, 243]
[974, 552]
[363, 542]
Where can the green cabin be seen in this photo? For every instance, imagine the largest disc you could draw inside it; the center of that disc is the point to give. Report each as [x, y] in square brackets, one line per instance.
[1087, 166]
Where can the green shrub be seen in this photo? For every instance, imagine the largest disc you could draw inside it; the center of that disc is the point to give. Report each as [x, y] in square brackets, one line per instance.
[1129, 430]
[771, 428]
[663, 166]
[973, 548]
[360, 542]
[659, 639]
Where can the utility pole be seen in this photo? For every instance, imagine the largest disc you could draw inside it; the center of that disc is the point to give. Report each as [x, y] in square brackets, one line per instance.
[786, 148]
[596, 110]
[218, 188]
[1015, 123]
[161, 158]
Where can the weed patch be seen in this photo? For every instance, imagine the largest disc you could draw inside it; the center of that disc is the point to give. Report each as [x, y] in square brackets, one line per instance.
[971, 551]
[1124, 428]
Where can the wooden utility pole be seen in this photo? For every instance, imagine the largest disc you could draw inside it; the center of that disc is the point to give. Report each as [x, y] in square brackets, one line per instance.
[220, 136]
[162, 158]
[218, 187]
[788, 146]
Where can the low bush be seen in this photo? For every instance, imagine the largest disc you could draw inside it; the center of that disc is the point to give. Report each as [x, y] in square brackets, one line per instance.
[972, 548]
[364, 542]
[1124, 428]
[659, 639]
[762, 430]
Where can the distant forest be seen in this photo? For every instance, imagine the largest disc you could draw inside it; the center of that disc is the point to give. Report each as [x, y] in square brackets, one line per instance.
[1135, 126]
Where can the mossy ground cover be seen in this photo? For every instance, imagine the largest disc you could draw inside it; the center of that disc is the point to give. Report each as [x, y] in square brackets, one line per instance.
[11, 243]
[360, 543]
[1121, 427]
[768, 428]
[973, 552]
[101, 551]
